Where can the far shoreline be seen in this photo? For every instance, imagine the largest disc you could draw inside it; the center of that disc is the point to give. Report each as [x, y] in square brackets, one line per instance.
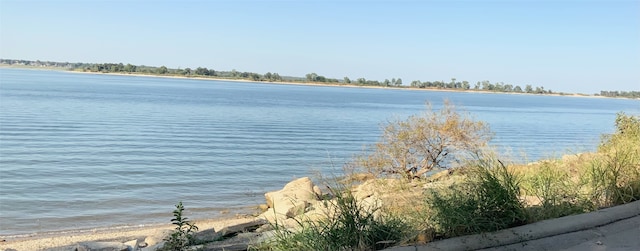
[406, 88]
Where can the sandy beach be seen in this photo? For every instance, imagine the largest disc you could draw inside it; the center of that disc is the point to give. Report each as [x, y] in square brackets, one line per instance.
[329, 85]
[40, 241]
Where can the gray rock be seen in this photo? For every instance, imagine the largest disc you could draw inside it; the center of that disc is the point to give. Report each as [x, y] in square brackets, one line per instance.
[157, 237]
[207, 235]
[293, 194]
[153, 247]
[238, 242]
[75, 247]
[249, 225]
[104, 246]
[317, 191]
[132, 244]
[272, 216]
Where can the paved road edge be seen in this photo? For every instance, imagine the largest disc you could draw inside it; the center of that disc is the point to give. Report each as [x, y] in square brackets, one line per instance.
[532, 231]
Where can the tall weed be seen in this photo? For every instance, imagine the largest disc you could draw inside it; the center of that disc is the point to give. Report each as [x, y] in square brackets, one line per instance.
[487, 201]
[614, 176]
[351, 226]
[558, 193]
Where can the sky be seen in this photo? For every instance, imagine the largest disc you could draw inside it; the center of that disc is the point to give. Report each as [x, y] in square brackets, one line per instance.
[566, 45]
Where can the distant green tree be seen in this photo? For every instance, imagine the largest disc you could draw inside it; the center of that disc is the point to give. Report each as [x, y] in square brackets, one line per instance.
[311, 77]
[507, 88]
[528, 89]
[202, 71]
[398, 82]
[163, 70]
[119, 67]
[187, 71]
[347, 80]
[129, 68]
[487, 86]
[466, 85]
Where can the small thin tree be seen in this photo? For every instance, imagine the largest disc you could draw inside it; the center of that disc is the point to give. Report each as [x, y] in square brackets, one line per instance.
[421, 143]
[182, 236]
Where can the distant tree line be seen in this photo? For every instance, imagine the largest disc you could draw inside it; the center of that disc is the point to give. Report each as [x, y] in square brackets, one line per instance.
[623, 94]
[364, 82]
[480, 86]
[204, 72]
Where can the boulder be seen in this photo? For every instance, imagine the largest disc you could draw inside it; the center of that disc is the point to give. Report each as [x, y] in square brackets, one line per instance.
[272, 216]
[297, 208]
[317, 191]
[132, 244]
[157, 237]
[207, 235]
[104, 246]
[292, 200]
[75, 247]
[297, 190]
[246, 226]
[365, 190]
[239, 242]
[154, 247]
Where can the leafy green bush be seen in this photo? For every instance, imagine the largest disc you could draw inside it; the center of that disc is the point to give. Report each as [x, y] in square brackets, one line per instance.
[487, 201]
[351, 225]
[183, 235]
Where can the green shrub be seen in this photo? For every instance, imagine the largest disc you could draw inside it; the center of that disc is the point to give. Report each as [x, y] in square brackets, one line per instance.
[558, 194]
[488, 200]
[183, 235]
[614, 176]
[351, 225]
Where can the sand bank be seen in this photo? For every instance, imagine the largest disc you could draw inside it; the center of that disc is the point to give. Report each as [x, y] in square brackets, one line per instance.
[40, 241]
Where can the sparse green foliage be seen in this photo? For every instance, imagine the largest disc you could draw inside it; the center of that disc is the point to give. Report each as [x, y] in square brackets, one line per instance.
[183, 235]
[557, 193]
[487, 201]
[614, 177]
[609, 177]
[350, 225]
[163, 70]
[435, 139]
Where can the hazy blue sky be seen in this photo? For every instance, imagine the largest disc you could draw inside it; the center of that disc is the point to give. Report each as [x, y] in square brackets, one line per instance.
[571, 46]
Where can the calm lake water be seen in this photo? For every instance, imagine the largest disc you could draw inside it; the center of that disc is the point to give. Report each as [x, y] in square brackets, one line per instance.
[88, 151]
